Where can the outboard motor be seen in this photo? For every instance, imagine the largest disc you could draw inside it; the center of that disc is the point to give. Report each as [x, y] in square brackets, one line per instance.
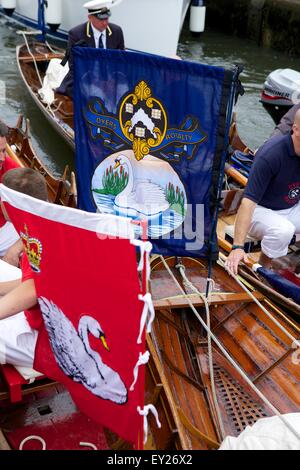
[9, 6]
[197, 16]
[280, 92]
[53, 14]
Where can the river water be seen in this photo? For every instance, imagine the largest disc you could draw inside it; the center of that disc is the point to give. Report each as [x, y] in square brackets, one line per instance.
[212, 48]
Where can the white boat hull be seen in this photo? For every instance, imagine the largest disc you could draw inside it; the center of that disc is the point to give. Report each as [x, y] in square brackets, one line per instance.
[149, 25]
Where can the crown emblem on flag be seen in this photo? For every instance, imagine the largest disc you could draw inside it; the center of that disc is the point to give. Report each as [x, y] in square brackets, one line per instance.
[33, 249]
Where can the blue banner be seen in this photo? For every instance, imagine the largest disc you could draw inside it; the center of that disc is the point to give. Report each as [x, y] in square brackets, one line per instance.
[150, 136]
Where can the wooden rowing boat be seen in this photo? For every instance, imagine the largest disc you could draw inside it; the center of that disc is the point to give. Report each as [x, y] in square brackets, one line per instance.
[33, 60]
[258, 346]
[60, 190]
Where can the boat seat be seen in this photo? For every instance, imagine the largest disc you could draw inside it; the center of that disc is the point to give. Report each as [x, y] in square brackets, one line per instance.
[231, 200]
[18, 378]
[41, 57]
[64, 105]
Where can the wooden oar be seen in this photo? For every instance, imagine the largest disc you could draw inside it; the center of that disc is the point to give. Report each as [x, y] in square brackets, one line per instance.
[13, 156]
[236, 175]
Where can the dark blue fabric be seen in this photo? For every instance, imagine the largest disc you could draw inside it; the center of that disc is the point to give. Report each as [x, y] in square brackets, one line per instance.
[192, 96]
[280, 284]
[274, 179]
[242, 161]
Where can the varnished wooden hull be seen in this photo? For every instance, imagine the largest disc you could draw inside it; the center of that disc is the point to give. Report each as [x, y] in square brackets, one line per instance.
[60, 190]
[257, 345]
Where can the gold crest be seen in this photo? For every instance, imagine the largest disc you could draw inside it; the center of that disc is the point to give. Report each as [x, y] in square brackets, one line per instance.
[33, 249]
[143, 120]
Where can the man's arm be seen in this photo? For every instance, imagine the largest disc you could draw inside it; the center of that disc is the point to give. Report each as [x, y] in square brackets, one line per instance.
[122, 43]
[286, 122]
[118, 36]
[21, 298]
[71, 41]
[13, 254]
[242, 224]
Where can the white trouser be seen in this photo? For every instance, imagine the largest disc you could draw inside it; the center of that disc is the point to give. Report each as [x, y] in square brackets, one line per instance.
[17, 338]
[8, 236]
[267, 434]
[275, 229]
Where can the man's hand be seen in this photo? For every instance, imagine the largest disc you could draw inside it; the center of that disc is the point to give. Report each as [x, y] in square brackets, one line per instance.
[234, 258]
[12, 256]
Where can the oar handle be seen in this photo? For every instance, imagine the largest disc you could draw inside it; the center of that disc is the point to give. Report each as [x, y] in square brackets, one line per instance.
[236, 175]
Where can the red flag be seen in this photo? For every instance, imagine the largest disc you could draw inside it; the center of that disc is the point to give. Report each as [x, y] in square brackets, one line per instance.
[88, 289]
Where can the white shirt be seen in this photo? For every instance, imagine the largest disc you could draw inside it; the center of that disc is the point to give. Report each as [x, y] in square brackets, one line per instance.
[97, 34]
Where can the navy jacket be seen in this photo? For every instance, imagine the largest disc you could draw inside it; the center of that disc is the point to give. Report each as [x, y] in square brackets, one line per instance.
[84, 34]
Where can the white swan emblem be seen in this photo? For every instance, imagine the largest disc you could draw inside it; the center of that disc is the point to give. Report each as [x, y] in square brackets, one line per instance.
[139, 196]
[75, 357]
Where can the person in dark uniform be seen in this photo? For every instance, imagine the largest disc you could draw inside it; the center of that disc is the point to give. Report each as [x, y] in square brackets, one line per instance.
[97, 32]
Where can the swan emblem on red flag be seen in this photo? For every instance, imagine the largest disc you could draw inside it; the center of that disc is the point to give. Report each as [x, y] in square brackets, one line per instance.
[75, 356]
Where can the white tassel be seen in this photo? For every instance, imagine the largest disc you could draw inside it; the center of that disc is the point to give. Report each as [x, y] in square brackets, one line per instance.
[88, 444]
[144, 412]
[148, 307]
[143, 359]
[145, 247]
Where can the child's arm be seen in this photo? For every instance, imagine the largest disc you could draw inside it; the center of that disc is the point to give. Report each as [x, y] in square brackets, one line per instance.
[7, 286]
[21, 298]
[12, 256]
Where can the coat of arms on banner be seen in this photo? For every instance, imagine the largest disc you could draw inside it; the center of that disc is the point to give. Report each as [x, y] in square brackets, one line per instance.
[137, 180]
